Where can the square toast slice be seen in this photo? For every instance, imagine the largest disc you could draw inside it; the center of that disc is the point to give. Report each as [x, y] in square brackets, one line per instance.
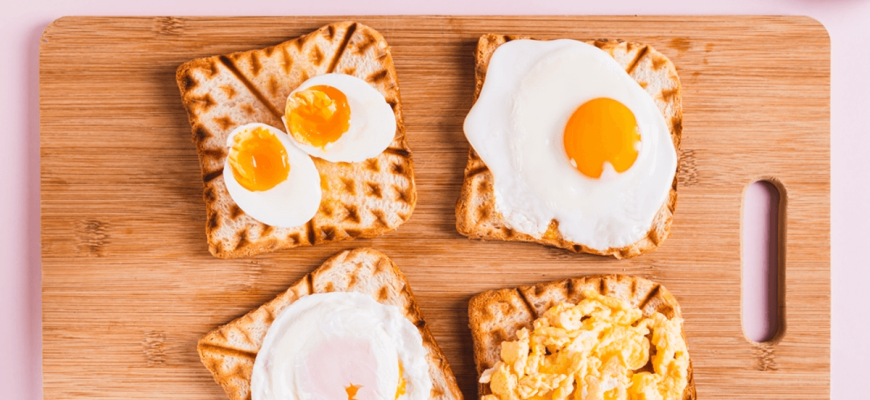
[476, 214]
[230, 350]
[220, 93]
[495, 316]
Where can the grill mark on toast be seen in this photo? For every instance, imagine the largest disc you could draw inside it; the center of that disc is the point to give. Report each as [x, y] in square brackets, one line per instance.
[527, 303]
[273, 85]
[212, 175]
[420, 324]
[377, 77]
[294, 238]
[265, 230]
[309, 280]
[225, 122]
[200, 134]
[342, 47]
[364, 45]
[243, 240]
[383, 294]
[652, 293]
[349, 71]
[372, 164]
[352, 213]
[393, 104]
[601, 286]
[235, 211]
[329, 288]
[229, 91]
[225, 351]
[353, 232]
[214, 153]
[317, 56]
[640, 54]
[329, 233]
[397, 152]
[402, 195]
[255, 64]
[212, 223]
[312, 234]
[250, 85]
[397, 168]
[669, 94]
[288, 61]
[379, 217]
[374, 189]
[349, 186]
[476, 171]
[330, 31]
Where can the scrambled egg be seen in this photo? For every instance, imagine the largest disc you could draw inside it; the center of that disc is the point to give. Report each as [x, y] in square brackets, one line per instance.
[592, 351]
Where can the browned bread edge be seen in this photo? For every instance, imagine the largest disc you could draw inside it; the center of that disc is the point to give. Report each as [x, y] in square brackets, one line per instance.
[229, 351]
[476, 216]
[495, 316]
[219, 93]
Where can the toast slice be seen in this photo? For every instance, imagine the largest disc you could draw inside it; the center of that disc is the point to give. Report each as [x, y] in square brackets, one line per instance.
[476, 215]
[230, 350]
[220, 93]
[496, 315]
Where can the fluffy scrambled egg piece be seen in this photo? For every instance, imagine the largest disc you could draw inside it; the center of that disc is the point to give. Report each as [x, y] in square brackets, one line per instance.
[592, 351]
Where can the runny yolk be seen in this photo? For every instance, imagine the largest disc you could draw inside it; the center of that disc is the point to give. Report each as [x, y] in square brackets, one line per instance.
[318, 115]
[351, 391]
[400, 390]
[258, 160]
[601, 130]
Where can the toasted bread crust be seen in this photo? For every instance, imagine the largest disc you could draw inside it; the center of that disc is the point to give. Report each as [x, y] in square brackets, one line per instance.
[229, 351]
[476, 214]
[220, 93]
[495, 316]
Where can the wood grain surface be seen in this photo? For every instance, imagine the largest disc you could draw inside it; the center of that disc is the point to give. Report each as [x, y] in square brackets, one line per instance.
[129, 285]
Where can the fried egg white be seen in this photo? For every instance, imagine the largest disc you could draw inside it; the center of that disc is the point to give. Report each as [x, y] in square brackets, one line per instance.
[341, 345]
[339, 118]
[570, 136]
[269, 178]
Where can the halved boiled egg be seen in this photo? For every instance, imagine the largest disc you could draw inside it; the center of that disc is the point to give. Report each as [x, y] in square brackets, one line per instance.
[339, 118]
[341, 345]
[269, 178]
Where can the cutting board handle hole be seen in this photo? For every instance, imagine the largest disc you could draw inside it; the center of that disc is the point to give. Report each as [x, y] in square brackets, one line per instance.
[762, 256]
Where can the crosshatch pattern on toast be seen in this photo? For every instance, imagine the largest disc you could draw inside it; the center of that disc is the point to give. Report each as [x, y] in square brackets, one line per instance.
[229, 351]
[496, 315]
[476, 215]
[220, 93]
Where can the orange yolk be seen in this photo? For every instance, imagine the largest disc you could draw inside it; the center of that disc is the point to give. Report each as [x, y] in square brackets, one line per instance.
[351, 391]
[318, 115]
[601, 130]
[258, 160]
[400, 390]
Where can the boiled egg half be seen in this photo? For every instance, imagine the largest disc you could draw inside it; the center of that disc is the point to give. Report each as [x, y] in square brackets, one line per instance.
[341, 345]
[339, 118]
[269, 178]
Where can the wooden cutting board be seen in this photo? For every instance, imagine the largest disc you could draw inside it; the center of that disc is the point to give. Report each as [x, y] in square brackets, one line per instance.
[129, 285]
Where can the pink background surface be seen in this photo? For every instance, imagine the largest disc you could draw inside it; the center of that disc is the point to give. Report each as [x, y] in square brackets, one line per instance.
[846, 21]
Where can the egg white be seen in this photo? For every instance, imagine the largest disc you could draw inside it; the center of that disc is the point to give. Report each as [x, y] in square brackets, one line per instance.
[290, 203]
[280, 367]
[517, 127]
[372, 122]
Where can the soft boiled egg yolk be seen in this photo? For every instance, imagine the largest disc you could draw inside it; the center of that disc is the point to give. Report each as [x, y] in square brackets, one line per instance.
[601, 130]
[318, 115]
[258, 160]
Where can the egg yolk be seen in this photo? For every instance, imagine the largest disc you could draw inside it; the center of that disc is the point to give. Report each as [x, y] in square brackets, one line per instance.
[258, 160]
[351, 391]
[601, 130]
[400, 390]
[318, 115]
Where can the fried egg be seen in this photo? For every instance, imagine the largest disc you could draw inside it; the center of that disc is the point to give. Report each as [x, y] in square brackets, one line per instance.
[341, 345]
[269, 178]
[339, 118]
[569, 136]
